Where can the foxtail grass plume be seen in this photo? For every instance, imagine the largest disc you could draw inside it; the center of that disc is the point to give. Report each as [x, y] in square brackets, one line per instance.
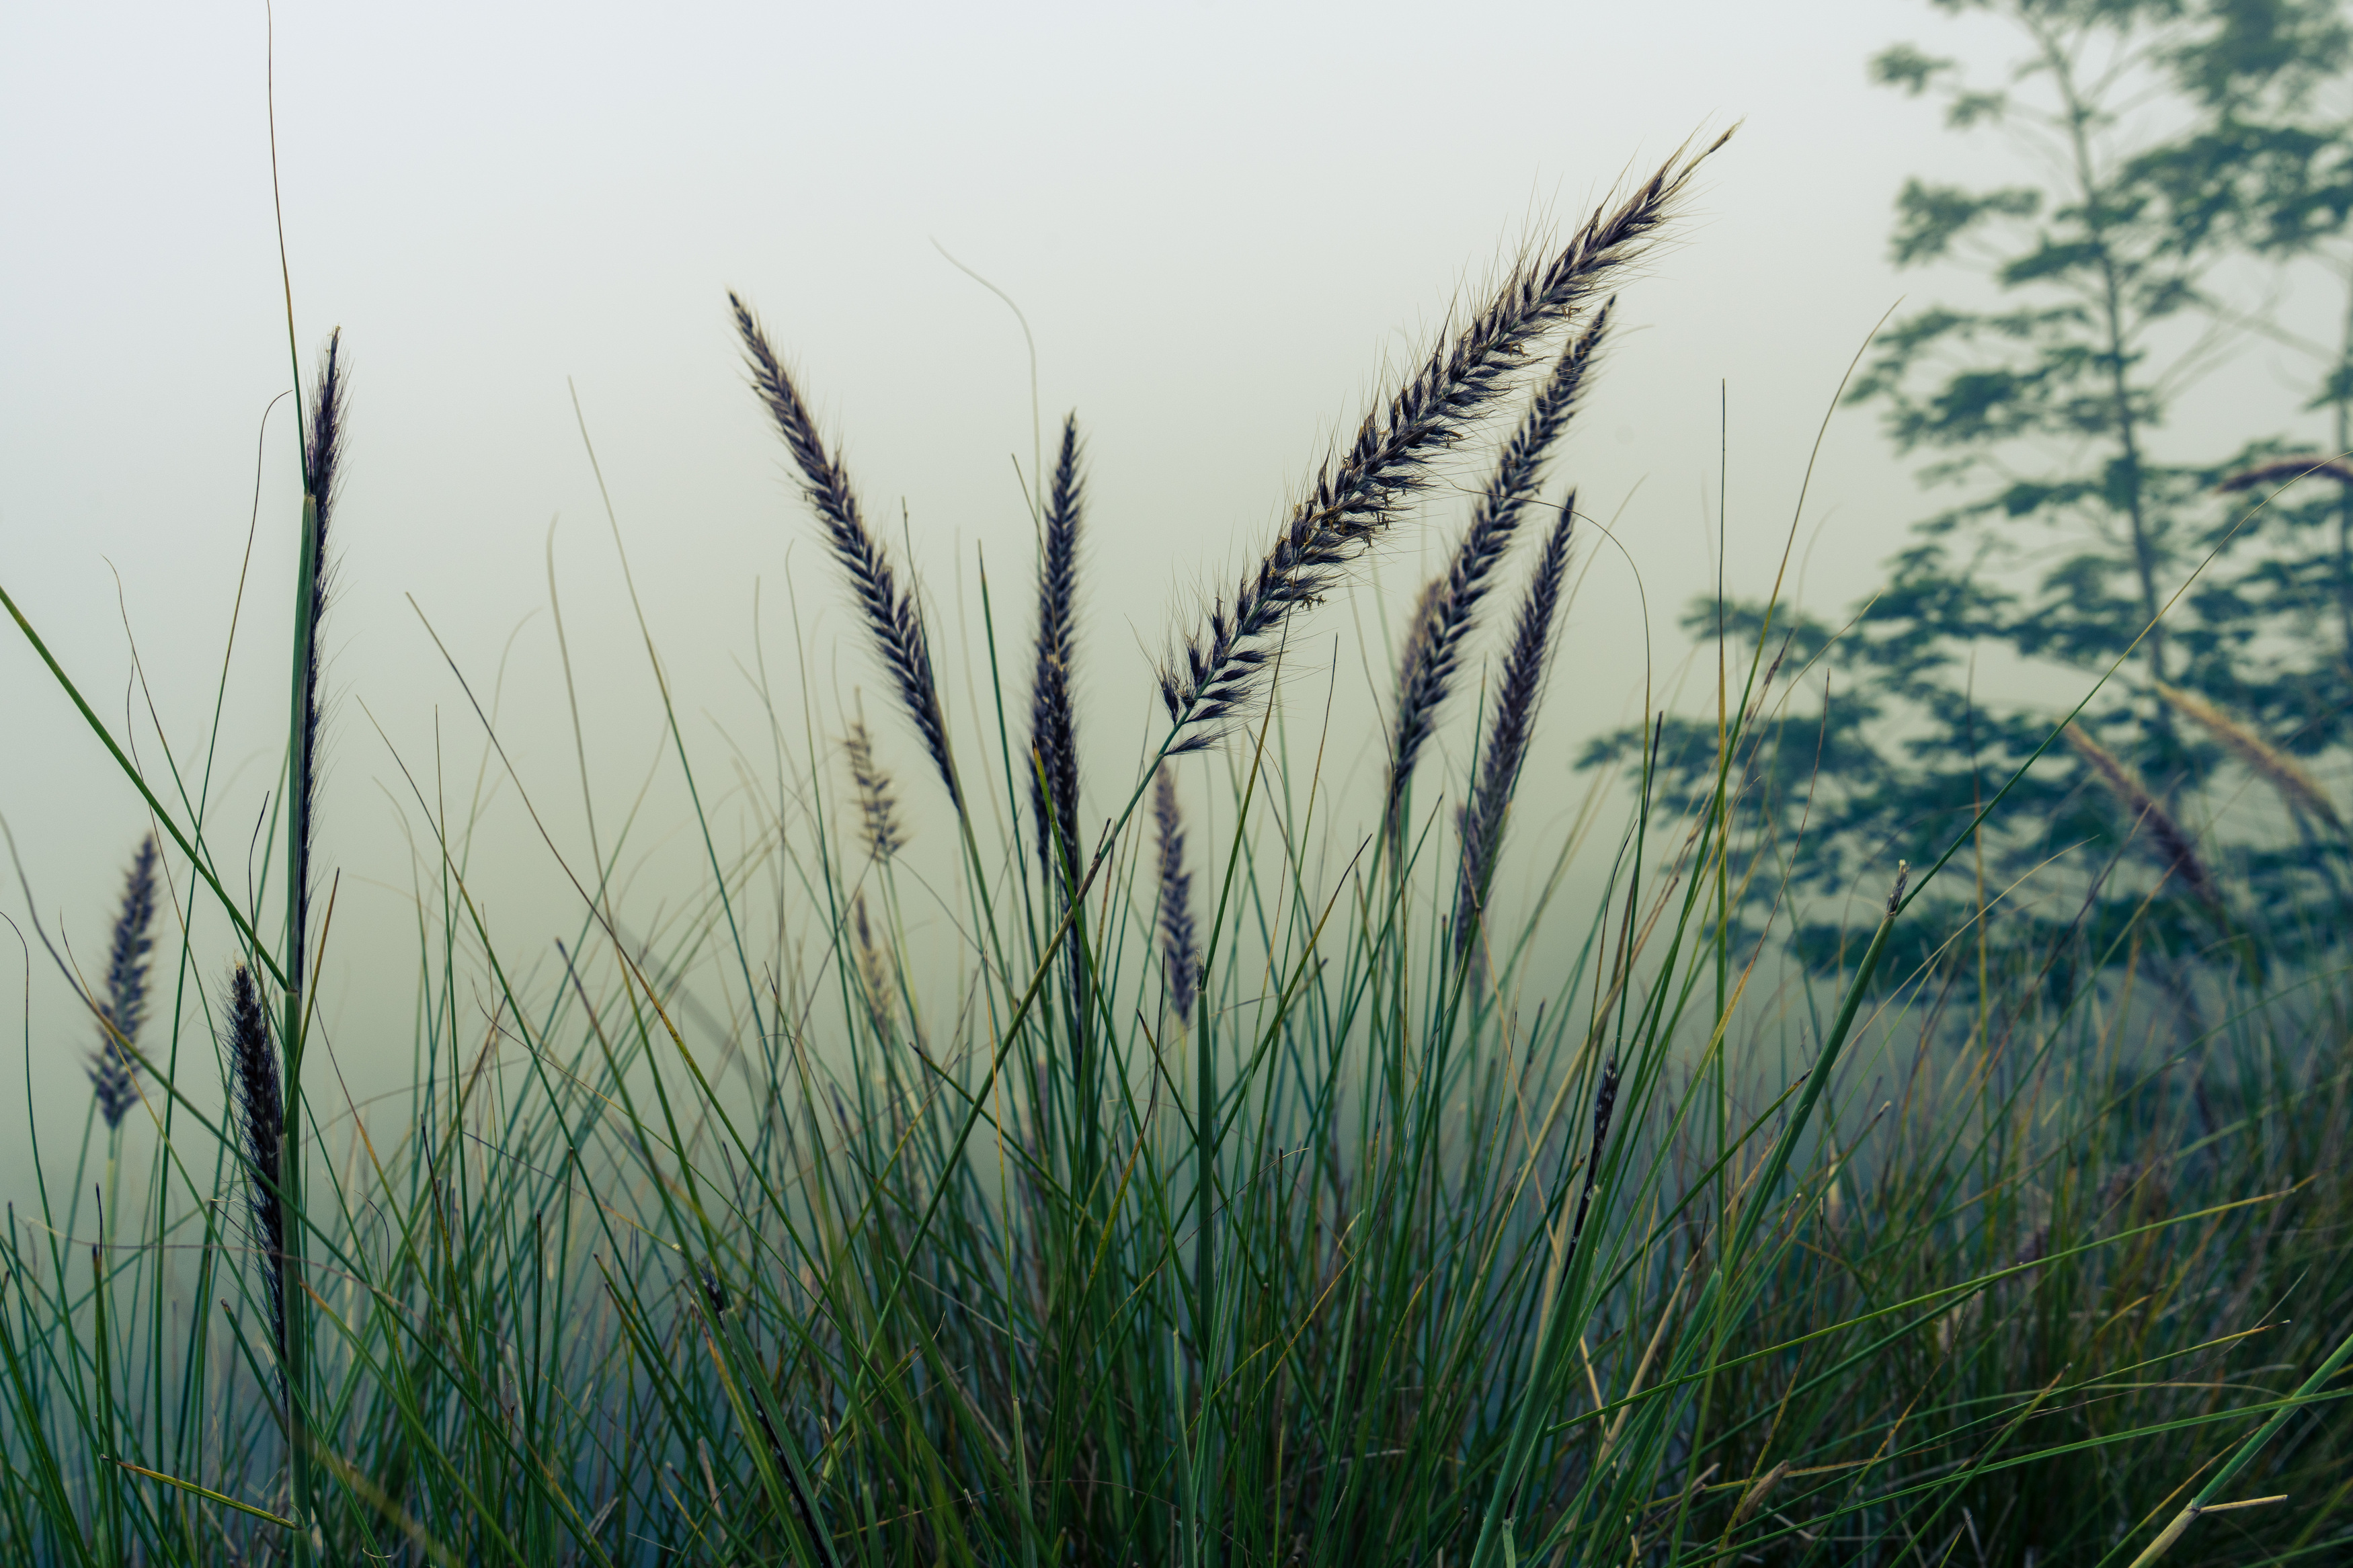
[323, 473]
[2173, 845]
[873, 969]
[891, 614]
[2298, 788]
[1053, 727]
[1509, 730]
[114, 1071]
[1358, 495]
[1177, 950]
[1419, 627]
[1605, 1106]
[878, 804]
[2284, 471]
[1434, 648]
[261, 1124]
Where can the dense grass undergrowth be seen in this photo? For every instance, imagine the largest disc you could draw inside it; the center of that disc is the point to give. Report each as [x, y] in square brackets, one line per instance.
[1186, 1197]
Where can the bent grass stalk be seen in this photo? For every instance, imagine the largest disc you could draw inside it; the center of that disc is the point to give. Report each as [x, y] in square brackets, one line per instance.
[2204, 1502]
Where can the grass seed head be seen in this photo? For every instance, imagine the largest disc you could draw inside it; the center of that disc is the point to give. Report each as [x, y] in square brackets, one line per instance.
[1053, 722]
[261, 1122]
[2298, 788]
[2172, 844]
[1510, 729]
[878, 804]
[114, 1071]
[1360, 493]
[892, 614]
[1443, 618]
[1178, 947]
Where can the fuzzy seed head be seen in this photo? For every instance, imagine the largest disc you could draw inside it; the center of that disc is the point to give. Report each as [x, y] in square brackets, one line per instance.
[114, 1071]
[1179, 952]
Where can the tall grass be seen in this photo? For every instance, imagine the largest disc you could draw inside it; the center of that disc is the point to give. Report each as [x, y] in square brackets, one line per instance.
[1293, 1192]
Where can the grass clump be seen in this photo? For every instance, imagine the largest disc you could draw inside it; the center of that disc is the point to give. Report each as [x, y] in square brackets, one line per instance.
[1281, 1195]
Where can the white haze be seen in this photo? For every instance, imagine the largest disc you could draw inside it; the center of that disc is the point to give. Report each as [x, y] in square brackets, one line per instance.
[1222, 221]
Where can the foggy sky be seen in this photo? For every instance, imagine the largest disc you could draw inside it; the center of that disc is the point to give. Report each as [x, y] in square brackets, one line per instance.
[1223, 222]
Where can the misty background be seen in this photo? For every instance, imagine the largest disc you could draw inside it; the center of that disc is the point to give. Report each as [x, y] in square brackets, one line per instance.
[1224, 223]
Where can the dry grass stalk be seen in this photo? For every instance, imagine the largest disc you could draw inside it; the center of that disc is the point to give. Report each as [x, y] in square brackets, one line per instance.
[1482, 818]
[2173, 844]
[1358, 495]
[262, 1120]
[891, 614]
[114, 1071]
[1053, 726]
[1177, 948]
[2298, 788]
[1755, 1494]
[1442, 619]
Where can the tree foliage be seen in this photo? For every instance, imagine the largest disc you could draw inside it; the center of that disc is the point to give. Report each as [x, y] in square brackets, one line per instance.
[2178, 175]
